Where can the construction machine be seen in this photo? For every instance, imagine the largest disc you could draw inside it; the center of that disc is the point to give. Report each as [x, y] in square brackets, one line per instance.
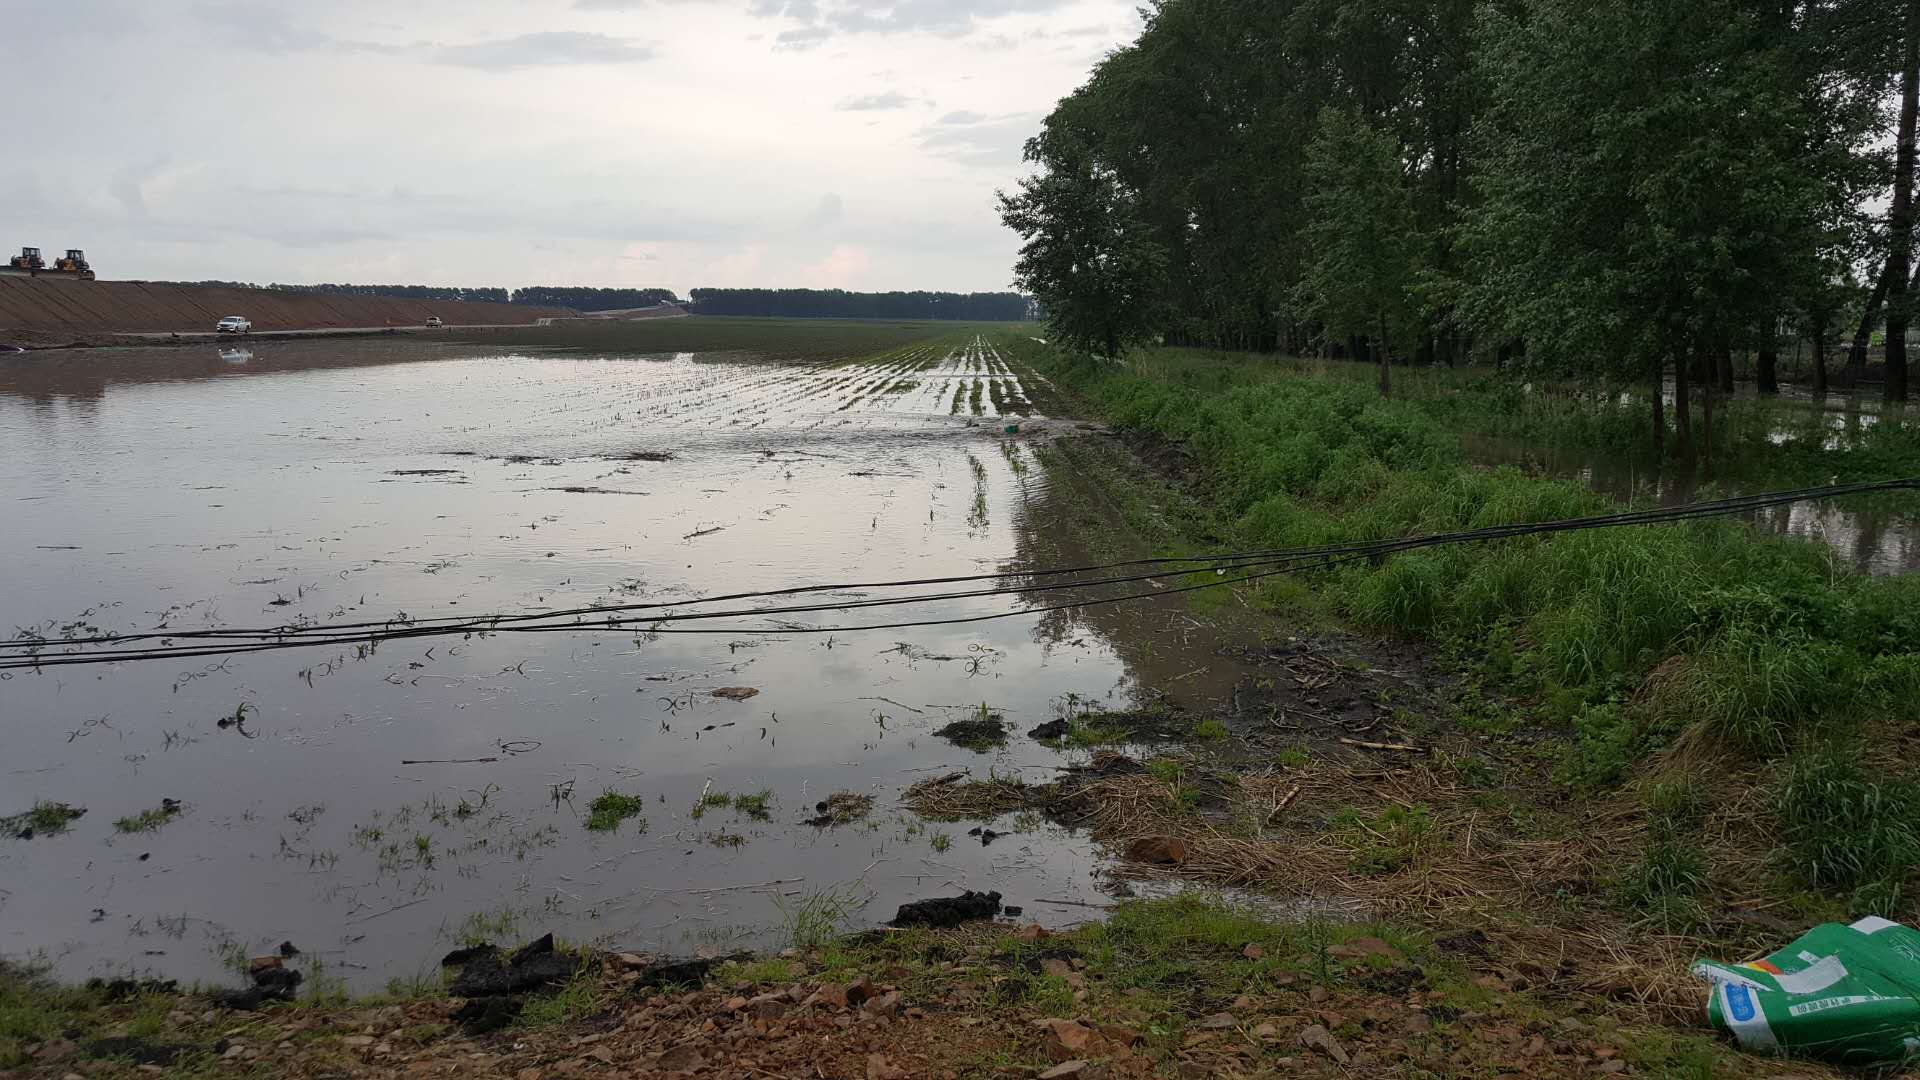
[75, 263]
[28, 261]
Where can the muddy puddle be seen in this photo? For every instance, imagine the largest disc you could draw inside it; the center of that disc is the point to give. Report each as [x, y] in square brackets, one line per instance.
[375, 807]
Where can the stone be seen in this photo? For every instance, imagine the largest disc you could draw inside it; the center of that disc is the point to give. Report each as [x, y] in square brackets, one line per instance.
[1120, 1036]
[1069, 1039]
[1158, 850]
[1266, 1032]
[1218, 1022]
[887, 1005]
[1031, 933]
[1320, 1040]
[683, 1058]
[1058, 969]
[357, 1041]
[1069, 1070]
[1253, 952]
[1611, 1067]
[734, 1004]
[858, 991]
[263, 963]
[881, 1067]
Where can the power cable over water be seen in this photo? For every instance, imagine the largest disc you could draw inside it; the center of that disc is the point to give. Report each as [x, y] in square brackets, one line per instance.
[690, 616]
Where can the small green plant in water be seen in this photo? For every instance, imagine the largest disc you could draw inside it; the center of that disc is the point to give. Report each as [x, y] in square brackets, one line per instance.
[149, 820]
[610, 808]
[45, 819]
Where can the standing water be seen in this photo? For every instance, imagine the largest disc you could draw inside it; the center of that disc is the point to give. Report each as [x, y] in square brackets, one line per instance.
[376, 805]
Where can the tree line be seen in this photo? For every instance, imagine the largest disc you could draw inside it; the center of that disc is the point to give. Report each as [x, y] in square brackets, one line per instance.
[840, 304]
[1634, 188]
[581, 298]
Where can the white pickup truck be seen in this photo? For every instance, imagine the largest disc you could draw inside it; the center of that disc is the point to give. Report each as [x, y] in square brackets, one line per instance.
[234, 324]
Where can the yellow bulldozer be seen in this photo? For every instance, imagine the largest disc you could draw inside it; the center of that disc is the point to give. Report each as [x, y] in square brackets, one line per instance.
[73, 264]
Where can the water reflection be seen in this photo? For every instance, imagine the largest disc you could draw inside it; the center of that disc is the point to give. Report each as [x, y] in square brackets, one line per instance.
[375, 800]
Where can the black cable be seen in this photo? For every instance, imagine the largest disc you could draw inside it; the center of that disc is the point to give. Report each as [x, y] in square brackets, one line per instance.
[1327, 556]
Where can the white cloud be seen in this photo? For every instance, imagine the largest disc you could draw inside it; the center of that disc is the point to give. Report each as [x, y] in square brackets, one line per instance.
[496, 142]
[544, 49]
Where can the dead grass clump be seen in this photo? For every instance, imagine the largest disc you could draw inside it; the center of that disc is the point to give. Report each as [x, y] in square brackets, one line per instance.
[955, 798]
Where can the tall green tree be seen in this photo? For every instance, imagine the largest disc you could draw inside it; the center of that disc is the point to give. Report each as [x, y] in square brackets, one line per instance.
[1644, 186]
[1087, 256]
[1361, 236]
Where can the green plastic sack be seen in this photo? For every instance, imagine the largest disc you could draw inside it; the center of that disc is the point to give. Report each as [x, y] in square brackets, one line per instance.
[1844, 994]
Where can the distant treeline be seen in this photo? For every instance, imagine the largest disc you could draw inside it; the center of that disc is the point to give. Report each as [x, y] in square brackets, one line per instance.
[564, 296]
[402, 292]
[779, 303]
[839, 304]
[585, 299]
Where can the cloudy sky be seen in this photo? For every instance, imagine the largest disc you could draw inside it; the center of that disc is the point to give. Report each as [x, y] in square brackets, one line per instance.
[826, 143]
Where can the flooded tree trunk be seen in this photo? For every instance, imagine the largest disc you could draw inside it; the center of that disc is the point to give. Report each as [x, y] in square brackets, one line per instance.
[1723, 368]
[1659, 396]
[1707, 391]
[1766, 362]
[1682, 408]
[1423, 356]
[1869, 318]
[1820, 353]
[1900, 248]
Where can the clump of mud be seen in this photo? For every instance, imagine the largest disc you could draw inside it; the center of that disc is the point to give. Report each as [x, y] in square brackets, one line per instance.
[979, 733]
[946, 912]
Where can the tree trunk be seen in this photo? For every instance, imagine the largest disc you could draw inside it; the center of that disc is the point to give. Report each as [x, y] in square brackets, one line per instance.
[1380, 351]
[1682, 408]
[1820, 353]
[1766, 364]
[1723, 368]
[1900, 250]
[1857, 356]
[1659, 407]
[1707, 392]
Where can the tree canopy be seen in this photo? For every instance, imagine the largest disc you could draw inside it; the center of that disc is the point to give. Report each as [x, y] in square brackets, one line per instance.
[1595, 188]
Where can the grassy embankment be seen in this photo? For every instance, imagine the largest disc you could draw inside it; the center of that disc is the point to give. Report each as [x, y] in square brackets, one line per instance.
[1701, 661]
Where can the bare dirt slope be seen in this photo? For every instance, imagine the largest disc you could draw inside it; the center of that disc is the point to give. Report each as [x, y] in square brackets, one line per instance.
[43, 305]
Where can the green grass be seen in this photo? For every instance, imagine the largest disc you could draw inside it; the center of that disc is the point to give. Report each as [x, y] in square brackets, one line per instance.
[757, 805]
[44, 819]
[1848, 832]
[817, 919]
[148, 820]
[579, 999]
[1618, 640]
[610, 808]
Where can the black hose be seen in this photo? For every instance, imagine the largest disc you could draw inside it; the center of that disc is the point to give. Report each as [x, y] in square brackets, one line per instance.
[1268, 563]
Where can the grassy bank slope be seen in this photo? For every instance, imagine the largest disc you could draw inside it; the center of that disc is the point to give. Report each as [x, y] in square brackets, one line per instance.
[1705, 649]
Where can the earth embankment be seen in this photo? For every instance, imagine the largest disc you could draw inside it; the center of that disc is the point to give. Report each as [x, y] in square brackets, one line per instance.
[41, 306]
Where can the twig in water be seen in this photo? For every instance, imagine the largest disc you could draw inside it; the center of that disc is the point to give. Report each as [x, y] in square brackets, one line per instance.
[454, 761]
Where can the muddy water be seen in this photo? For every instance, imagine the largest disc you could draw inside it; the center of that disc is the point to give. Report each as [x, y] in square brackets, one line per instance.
[374, 807]
[1872, 538]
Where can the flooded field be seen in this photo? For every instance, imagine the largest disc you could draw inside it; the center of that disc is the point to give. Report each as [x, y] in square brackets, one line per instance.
[1874, 539]
[376, 806]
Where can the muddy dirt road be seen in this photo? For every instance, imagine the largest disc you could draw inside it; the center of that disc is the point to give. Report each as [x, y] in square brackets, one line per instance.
[375, 806]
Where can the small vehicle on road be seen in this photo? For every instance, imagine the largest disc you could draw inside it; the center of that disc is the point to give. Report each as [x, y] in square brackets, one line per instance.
[234, 324]
[433, 322]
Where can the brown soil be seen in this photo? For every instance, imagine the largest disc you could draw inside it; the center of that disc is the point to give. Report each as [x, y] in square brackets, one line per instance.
[36, 309]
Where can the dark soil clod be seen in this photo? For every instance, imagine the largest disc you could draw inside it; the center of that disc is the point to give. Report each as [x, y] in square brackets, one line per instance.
[481, 1016]
[948, 911]
[134, 1049]
[675, 973]
[269, 984]
[485, 974]
[1052, 729]
[979, 734]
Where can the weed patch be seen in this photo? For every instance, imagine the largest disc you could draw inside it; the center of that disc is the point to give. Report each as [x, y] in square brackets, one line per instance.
[610, 808]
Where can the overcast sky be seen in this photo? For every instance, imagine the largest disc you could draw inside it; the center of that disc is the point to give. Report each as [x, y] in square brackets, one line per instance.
[827, 143]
